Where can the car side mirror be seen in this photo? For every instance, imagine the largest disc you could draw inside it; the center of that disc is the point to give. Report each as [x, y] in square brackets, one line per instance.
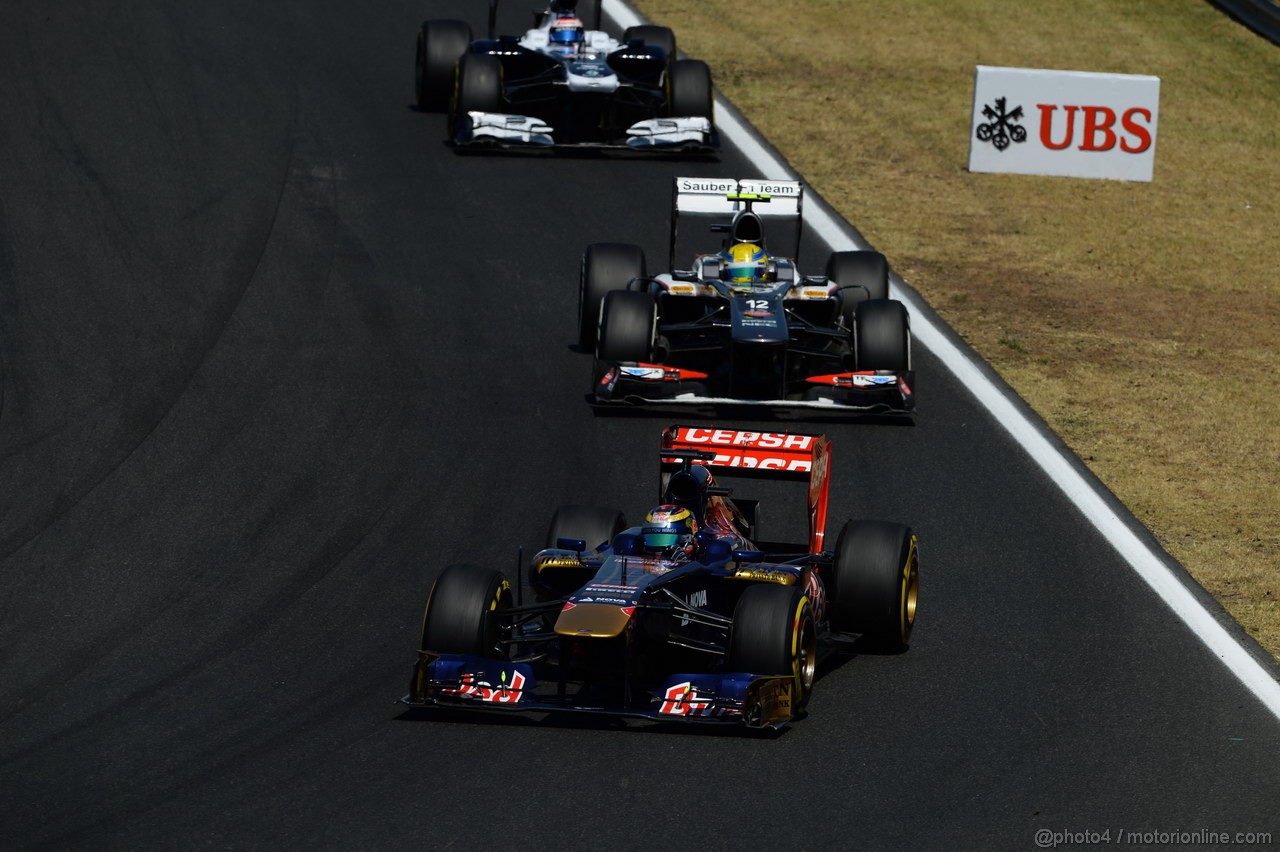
[716, 550]
[748, 555]
[626, 544]
[571, 544]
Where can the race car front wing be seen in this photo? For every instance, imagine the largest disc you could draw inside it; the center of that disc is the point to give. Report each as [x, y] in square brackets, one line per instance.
[868, 391]
[480, 683]
[505, 130]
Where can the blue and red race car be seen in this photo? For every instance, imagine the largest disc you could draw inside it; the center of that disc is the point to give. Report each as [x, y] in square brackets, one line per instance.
[686, 617]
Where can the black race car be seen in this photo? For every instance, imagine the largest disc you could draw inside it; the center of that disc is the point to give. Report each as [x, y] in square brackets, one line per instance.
[742, 325]
[687, 617]
[561, 84]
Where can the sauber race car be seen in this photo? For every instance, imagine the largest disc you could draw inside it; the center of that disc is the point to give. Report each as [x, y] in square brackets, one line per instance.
[685, 617]
[561, 84]
[742, 325]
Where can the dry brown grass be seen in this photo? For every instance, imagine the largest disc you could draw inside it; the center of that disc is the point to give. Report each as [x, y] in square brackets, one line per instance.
[1142, 321]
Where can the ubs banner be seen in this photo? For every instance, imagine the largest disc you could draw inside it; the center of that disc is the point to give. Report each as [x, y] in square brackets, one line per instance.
[1069, 123]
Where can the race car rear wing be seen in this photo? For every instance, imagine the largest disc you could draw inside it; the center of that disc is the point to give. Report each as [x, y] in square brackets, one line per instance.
[776, 202]
[540, 15]
[779, 455]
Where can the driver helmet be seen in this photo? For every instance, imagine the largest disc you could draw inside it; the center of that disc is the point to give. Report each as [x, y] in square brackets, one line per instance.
[566, 34]
[746, 263]
[668, 531]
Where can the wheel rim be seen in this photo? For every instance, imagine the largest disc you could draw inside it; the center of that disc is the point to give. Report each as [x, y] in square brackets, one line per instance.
[804, 650]
[807, 662]
[910, 590]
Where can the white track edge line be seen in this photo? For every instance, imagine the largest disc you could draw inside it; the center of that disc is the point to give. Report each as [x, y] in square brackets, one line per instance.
[1145, 562]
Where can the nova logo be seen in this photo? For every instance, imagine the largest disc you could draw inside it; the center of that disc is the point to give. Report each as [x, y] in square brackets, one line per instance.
[697, 599]
[1000, 126]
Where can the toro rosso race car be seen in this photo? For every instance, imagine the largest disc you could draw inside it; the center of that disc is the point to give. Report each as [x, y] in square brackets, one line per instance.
[741, 324]
[686, 617]
[561, 84]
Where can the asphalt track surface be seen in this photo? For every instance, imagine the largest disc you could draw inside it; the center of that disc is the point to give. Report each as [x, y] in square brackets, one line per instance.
[273, 355]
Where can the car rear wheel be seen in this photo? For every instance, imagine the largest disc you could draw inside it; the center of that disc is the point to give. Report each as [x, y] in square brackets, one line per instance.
[440, 45]
[464, 612]
[773, 634]
[653, 36]
[478, 87]
[875, 582]
[866, 272]
[882, 336]
[628, 327]
[689, 90]
[593, 525]
[605, 267]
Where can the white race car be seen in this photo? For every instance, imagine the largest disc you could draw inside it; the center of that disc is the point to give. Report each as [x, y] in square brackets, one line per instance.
[561, 84]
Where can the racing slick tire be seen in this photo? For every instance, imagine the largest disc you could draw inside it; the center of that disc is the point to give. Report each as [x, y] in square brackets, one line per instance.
[628, 327]
[874, 583]
[689, 90]
[477, 86]
[858, 269]
[773, 634]
[464, 612]
[653, 36]
[605, 267]
[440, 46]
[592, 524]
[882, 336]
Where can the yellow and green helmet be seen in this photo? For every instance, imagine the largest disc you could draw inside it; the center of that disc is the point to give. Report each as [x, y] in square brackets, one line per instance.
[746, 263]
